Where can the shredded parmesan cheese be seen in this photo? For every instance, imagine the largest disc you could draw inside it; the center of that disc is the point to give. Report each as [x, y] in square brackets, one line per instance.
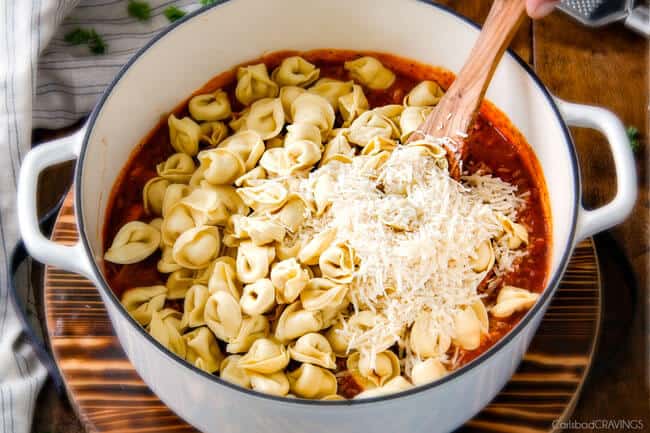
[415, 230]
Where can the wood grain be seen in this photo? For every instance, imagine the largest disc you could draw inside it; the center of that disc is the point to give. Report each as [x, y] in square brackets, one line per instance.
[109, 396]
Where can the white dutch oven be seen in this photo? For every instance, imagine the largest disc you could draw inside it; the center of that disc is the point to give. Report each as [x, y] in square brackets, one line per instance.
[184, 57]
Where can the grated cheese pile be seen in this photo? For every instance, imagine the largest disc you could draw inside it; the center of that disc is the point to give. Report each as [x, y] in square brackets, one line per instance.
[415, 230]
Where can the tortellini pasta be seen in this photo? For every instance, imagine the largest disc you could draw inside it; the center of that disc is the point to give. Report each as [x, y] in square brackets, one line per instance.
[302, 145]
[370, 72]
[313, 348]
[224, 277]
[230, 371]
[426, 93]
[369, 125]
[321, 294]
[289, 279]
[174, 193]
[248, 145]
[289, 94]
[310, 381]
[250, 218]
[315, 110]
[517, 234]
[265, 356]
[214, 204]
[352, 105]
[427, 341]
[337, 149]
[213, 133]
[253, 83]
[512, 299]
[165, 327]
[374, 372]
[219, 166]
[177, 168]
[411, 119]
[197, 247]
[331, 89]
[153, 195]
[223, 315]
[142, 302]
[210, 106]
[134, 242]
[292, 213]
[258, 297]
[184, 135]
[337, 340]
[178, 220]
[252, 328]
[470, 324]
[179, 282]
[203, 350]
[268, 196]
[253, 261]
[166, 264]
[274, 383]
[484, 258]
[338, 262]
[310, 253]
[266, 117]
[295, 71]
[396, 384]
[194, 307]
[295, 322]
[427, 371]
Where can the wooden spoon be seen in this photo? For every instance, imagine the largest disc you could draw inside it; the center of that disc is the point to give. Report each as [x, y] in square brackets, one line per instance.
[456, 110]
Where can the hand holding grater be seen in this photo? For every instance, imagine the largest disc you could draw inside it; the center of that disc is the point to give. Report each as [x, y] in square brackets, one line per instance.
[596, 13]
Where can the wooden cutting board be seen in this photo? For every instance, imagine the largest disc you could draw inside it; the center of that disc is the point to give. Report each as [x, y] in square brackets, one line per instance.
[109, 396]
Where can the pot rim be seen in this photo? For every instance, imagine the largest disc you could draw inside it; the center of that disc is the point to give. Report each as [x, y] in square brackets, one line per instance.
[502, 342]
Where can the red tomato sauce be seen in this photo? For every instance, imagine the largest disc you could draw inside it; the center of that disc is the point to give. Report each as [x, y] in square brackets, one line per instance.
[495, 146]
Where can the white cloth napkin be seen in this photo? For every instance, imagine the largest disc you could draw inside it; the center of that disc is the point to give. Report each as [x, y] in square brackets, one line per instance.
[45, 82]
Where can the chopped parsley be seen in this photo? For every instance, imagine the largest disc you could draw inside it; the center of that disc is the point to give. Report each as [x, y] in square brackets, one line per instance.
[89, 37]
[633, 136]
[208, 2]
[173, 13]
[78, 36]
[139, 10]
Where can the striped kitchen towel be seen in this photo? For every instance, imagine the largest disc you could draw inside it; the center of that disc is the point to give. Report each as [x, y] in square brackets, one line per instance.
[46, 82]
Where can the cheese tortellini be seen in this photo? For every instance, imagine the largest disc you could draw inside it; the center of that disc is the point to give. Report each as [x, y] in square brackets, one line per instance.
[370, 72]
[134, 242]
[184, 135]
[295, 71]
[203, 350]
[253, 83]
[255, 276]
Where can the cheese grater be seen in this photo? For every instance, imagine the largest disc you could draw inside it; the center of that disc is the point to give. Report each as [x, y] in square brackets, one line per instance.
[596, 13]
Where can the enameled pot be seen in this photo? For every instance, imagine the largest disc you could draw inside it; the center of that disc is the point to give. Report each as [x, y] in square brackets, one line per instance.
[212, 40]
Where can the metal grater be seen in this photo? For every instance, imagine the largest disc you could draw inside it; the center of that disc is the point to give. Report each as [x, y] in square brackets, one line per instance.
[596, 13]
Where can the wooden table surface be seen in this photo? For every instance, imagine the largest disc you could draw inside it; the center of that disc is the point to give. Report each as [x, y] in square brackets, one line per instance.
[606, 67]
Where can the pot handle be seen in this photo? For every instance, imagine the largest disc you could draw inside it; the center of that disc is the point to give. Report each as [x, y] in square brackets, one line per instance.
[593, 221]
[71, 258]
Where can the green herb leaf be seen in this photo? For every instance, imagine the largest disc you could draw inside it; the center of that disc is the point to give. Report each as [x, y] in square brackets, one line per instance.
[173, 13]
[89, 37]
[633, 136]
[208, 2]
[96, 43]
[139, 9]
[78, 36]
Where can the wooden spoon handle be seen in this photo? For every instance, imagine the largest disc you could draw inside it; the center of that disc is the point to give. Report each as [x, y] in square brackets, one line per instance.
[455, 111]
